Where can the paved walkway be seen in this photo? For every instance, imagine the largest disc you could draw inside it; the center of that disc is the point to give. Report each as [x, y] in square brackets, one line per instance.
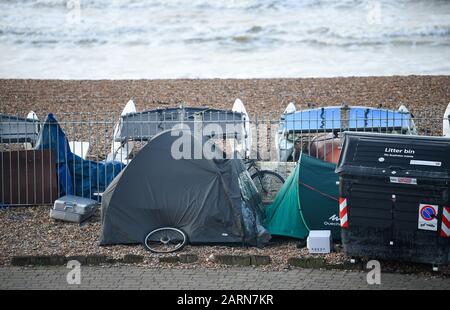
[125, 277]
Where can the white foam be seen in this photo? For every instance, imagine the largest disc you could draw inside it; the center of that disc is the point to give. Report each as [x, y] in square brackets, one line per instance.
[222, 39]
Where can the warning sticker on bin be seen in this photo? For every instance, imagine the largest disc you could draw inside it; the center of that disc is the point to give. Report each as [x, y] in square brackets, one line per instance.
[425, 163]
[399, 180]
[428, 219]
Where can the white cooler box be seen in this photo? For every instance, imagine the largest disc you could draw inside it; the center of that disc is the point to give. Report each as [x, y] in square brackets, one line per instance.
[73, 209]
[319, 241]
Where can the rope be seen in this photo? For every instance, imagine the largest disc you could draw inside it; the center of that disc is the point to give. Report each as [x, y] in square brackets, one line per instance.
[318, 191]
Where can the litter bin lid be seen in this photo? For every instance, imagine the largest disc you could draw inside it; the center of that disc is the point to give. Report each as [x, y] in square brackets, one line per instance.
[395, 155]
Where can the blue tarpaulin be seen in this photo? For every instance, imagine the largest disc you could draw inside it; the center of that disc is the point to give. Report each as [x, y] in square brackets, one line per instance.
[76, 176]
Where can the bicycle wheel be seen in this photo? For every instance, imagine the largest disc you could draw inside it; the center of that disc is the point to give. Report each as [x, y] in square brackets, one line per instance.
[268, 184]
[165, 240]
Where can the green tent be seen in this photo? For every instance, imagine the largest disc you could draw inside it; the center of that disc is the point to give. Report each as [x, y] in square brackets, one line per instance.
[308, 200]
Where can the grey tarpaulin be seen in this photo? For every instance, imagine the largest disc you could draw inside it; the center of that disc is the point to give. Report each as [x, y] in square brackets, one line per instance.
[212, 201]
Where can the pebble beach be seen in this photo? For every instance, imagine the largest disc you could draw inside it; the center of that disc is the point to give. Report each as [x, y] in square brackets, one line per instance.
[30, 231]
[423, 95]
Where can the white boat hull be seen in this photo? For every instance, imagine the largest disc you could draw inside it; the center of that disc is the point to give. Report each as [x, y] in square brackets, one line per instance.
[239, 107]
[446, 122]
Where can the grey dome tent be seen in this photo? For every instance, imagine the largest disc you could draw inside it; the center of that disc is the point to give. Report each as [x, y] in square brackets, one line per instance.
[211, 201]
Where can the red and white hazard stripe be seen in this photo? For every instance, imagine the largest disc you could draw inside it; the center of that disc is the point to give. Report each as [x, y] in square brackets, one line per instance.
[343, 212]
[445, 229]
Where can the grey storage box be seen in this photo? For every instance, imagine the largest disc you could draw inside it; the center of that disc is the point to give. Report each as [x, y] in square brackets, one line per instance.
[73, 209]
[319, 241]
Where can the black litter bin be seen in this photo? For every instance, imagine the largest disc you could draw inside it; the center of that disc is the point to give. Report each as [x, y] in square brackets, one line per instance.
[394, 193]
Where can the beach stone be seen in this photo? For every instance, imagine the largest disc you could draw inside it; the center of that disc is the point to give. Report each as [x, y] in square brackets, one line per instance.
[234, 260]
[309, 262]
[132, 259]
[187, 258]
[259, 260]
[96, 259]
[53, 260]
[169, 259]
[112, 260]
[21, 261]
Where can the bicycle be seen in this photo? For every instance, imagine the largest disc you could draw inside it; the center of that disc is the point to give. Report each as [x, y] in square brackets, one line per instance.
[165, 240]
[267, 182]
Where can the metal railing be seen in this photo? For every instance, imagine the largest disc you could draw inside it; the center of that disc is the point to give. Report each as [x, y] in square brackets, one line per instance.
[32, 162]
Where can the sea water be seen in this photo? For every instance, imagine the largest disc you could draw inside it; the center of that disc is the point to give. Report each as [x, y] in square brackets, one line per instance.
[130, 39]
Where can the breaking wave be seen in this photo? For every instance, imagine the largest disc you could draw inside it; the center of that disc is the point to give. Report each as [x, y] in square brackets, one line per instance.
[231, 32]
